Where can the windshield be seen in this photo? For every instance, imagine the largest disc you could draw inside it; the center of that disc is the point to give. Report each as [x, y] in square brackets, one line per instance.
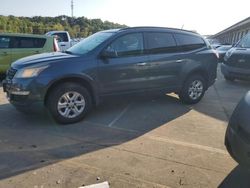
[244, 42]
[89, 43]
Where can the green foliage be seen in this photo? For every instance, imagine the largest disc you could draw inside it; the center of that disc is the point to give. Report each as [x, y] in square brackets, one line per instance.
[77, 27]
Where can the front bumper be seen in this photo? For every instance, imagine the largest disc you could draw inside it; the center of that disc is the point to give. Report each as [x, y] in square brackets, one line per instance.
[237, 147]
[23, 94]
[234, 72]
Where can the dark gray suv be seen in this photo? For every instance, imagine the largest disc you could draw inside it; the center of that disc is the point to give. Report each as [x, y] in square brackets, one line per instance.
[112, 62]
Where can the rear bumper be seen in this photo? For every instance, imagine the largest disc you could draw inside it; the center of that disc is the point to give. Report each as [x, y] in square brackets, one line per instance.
[239, 73]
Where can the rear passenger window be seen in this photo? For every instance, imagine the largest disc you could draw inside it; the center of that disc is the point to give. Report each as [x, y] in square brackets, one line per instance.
[4, 42]
[189, 42]
[27, 42]
[160, 43]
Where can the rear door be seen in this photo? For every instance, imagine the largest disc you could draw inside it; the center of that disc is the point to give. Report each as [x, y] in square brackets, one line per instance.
[125, 71]
[165, 60]
[26, 46]
[5, 54]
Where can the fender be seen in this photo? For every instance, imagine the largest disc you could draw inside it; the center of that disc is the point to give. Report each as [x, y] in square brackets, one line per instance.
[192, 67]
[82, 78]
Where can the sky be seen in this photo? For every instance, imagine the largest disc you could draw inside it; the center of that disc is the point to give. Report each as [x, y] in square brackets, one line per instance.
[204, 16]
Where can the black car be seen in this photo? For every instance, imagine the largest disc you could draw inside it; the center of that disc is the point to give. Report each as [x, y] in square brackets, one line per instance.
[237, 139]
[113, 62]
[222, 50]
[237, 61]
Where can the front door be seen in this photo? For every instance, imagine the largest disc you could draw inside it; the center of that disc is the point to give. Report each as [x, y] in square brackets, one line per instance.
[124, 71]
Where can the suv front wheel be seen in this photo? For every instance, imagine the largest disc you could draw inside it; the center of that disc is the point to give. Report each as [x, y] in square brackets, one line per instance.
[193, 89]
[69, 103]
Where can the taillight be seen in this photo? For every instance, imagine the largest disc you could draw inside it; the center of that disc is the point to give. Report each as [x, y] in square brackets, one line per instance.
[55, 45]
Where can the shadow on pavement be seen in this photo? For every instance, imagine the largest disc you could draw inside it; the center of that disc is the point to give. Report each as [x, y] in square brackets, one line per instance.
[29, 142]
[239, 177]
[32, 141]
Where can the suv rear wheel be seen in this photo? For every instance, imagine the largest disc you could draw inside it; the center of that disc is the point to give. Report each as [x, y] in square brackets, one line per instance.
[69, 103]
[193, 90]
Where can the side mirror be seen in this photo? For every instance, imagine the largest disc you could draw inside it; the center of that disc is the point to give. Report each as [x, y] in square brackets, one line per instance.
[106, 54]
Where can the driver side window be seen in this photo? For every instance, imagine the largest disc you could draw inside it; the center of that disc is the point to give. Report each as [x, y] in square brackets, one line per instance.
[127, 45]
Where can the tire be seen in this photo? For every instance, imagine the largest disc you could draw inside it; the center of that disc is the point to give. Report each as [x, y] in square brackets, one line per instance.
[196, 94]
[69, 103]
[229, 78]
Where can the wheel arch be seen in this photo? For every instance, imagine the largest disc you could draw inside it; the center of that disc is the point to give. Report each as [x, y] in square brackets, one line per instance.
[81, 80]
[197, 71]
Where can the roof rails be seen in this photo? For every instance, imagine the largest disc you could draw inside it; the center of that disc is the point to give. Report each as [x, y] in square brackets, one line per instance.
[154, 27]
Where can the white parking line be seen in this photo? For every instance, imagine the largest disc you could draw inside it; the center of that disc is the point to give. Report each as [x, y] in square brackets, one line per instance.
[190, 145]
[99, 185]
[119, 116]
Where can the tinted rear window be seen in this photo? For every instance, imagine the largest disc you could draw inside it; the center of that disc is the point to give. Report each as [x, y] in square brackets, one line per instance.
[188, 42]
[160, 43]
[27, 42]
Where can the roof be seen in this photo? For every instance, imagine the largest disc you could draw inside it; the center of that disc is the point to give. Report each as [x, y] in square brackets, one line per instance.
[151, 28]
[23, 35]
[154, 27]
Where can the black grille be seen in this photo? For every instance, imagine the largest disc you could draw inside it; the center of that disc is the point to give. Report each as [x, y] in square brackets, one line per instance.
[11, 73]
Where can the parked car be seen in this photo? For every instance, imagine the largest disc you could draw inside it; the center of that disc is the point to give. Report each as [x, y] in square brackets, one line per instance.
[237, 138]
[237, 61]
[113, 62]
[16, 46]
[222, 50]
[63, 39]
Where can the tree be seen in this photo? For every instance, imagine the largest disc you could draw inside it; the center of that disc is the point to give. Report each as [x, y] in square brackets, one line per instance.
[77, 27]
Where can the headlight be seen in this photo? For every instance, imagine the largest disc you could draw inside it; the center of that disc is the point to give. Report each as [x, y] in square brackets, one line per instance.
[29, 72]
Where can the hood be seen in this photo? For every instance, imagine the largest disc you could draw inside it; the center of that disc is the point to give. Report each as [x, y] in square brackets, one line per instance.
[44, 58]
[238, 57]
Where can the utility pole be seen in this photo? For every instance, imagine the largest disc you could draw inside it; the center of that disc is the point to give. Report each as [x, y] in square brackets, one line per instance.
[72, 8]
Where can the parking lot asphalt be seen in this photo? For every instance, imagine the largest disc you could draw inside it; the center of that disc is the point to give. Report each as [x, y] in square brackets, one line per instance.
[140, 141]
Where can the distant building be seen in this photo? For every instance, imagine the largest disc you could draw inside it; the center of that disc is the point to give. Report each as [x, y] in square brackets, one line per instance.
[234, 33]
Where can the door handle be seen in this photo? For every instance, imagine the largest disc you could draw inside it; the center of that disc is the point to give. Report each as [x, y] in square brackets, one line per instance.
[141, 64]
